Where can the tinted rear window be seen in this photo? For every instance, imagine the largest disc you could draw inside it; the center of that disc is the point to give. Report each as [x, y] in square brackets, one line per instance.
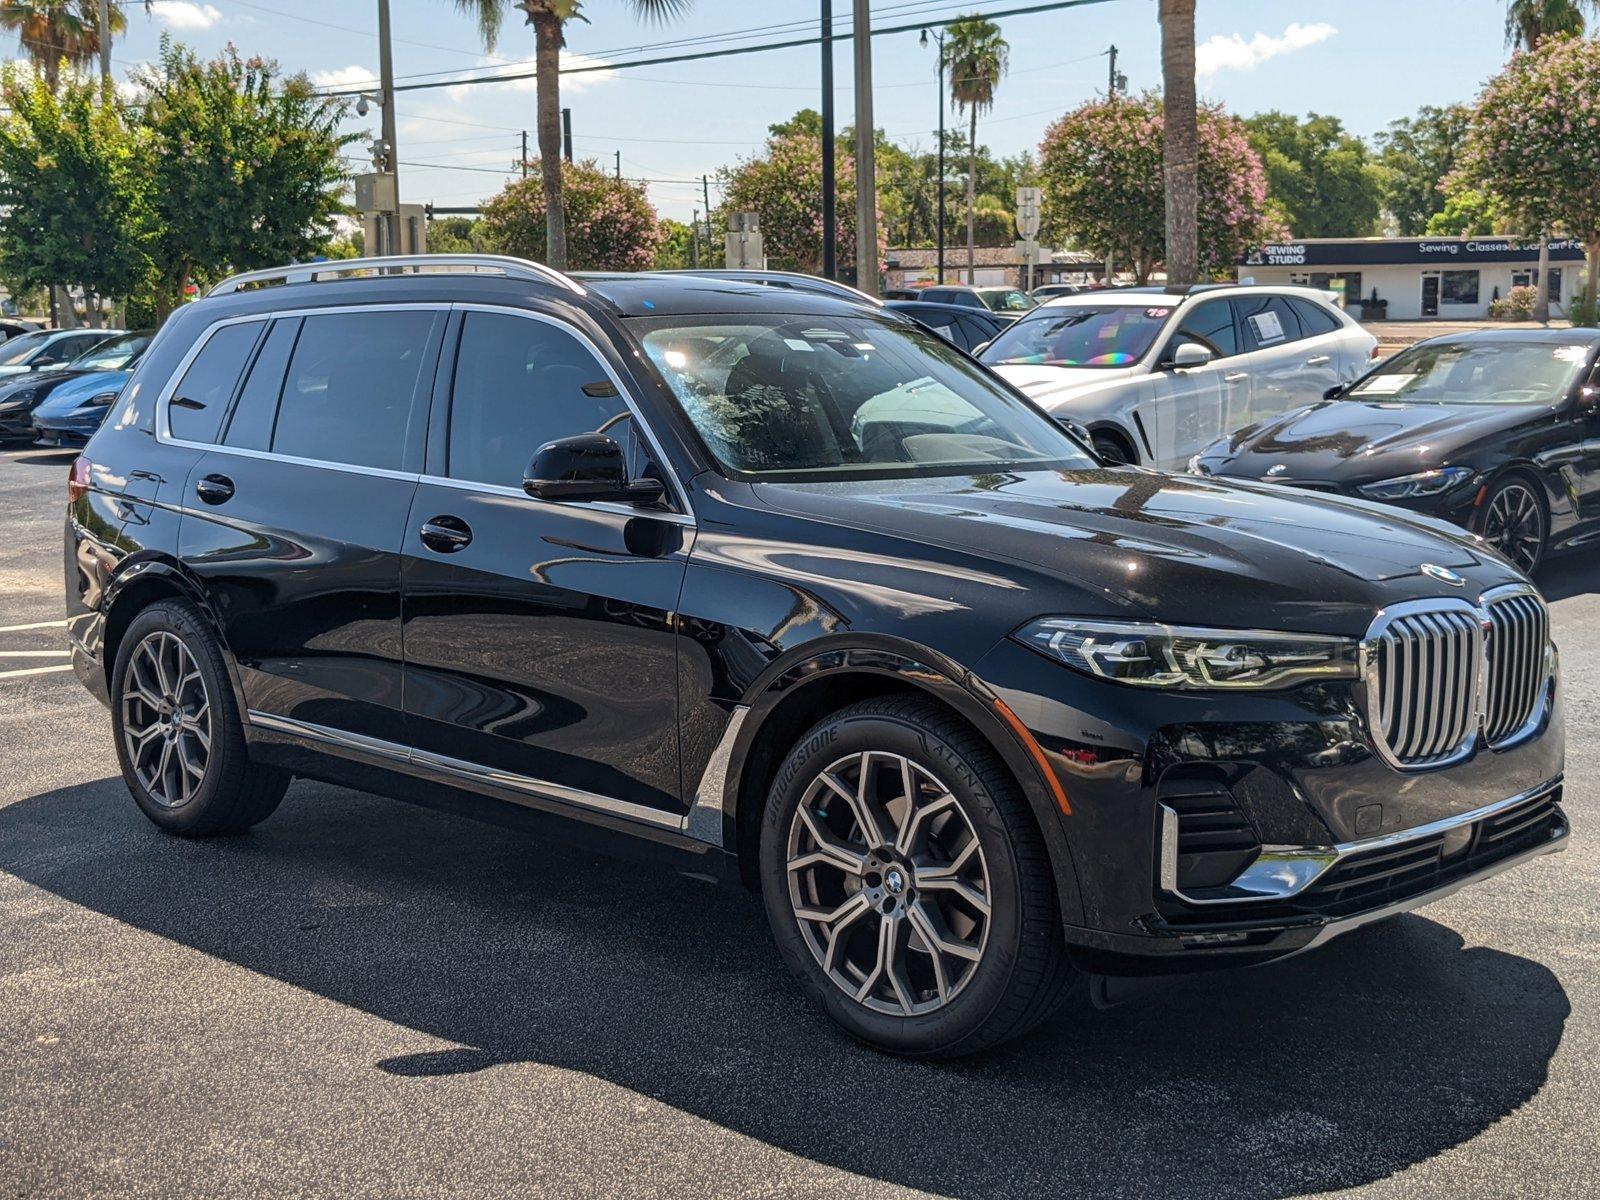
[352, 387]
[1315, 319]
[250, 427]
[194, 414]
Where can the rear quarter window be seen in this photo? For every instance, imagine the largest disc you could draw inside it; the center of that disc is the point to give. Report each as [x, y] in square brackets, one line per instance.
[1314, 319]
[199, 402]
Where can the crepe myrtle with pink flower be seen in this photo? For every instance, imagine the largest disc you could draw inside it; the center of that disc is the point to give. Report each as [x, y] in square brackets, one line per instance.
[1101, 169]
[1534, 142]
[611, 224]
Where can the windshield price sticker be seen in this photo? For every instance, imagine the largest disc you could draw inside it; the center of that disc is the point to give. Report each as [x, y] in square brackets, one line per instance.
[1383, 385]
[1156, 314]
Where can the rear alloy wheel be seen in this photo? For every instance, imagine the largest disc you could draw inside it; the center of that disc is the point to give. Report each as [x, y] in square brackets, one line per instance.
[179, 736]
[1514, 523]
[1112, 452]
[907, 882]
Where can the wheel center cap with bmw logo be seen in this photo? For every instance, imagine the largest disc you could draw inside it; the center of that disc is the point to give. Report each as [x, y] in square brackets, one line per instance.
[1443, 575]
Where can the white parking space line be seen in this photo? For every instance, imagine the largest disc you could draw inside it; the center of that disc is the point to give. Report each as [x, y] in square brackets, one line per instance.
[35, 625]
[34, 653]
[35, 671]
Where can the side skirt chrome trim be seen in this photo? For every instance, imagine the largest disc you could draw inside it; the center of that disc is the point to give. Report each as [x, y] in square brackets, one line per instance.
[476, 773]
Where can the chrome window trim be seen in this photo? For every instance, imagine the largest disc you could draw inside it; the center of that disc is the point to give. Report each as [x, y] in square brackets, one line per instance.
[164, 397]
[628, 400]
[1281, 872]
[472, 772]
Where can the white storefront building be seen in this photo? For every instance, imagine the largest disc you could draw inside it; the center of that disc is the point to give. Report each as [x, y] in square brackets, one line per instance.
[1417, 278]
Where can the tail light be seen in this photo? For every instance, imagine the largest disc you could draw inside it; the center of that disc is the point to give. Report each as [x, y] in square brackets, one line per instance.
[1376, 353]
[78, 479]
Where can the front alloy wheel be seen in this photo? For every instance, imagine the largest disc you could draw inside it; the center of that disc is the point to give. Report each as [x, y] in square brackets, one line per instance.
[908, 884]
[1514, 524]
[888, 882]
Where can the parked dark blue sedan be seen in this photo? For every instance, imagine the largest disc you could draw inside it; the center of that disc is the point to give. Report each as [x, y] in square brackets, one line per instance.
[76, 400]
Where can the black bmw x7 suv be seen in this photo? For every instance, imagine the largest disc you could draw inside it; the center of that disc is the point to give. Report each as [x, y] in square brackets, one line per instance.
[784, 589]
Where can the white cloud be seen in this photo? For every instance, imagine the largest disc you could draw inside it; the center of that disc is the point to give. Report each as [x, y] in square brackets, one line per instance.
[345, 77]
[569, 83]
[1233, 53]
[183, 14]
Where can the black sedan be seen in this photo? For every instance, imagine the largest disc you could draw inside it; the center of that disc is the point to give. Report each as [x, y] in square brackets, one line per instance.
[1496, 430]
[965, 327]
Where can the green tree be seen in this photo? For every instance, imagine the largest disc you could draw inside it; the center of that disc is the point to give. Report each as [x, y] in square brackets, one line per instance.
[975, 58]
[610, 224]
[1466, 213]
[783, 186]
[1534, 142]
[1528, 22]
[73, 201]
[1101, 168]
[1322, 177]
[1414, 156]
[1180, 160]
[677, 249]
[459, 235]
[58, 32]
[549, 20]
[244, 167]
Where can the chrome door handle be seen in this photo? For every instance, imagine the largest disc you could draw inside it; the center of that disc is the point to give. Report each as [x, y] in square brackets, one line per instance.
[1236, 376]
[214, 489]
[1316, 360]
[445, 535]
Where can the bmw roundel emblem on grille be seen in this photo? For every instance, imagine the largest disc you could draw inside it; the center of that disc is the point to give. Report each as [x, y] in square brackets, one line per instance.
[1443, 574]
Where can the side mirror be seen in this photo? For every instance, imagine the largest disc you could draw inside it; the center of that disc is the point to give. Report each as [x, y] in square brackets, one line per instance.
[1078, 430]
[980, 348]
[1335, 391]
[1190, 354]
[587, 467]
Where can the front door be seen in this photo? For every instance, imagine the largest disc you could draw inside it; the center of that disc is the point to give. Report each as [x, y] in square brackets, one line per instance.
[1430, 295]
[1193, 406]
[294, 514]
[541, 652]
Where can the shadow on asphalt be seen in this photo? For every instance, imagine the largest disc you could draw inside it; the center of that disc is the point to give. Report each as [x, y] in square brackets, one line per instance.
[1338, 1068]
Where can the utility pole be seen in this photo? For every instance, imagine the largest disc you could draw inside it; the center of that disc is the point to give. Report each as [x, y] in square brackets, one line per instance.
[524, 153]
[619, 164]
[391, 222]
[830, 216]
[705, 190]
[105, 42]
[1111, 75]
[938, 40]
[694, 244]
[866, 166]
[566, 134]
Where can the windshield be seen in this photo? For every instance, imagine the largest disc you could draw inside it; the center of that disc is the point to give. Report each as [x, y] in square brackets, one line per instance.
[1082, 335]
[1006, 300]
[1476, 373]
[18, 348]
[846, 397]
[113, 355]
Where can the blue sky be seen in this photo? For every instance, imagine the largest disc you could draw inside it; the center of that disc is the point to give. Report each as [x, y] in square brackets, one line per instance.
[1365, 61]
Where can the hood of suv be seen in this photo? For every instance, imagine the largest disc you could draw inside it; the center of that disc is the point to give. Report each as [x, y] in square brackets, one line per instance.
[1182, 549]
[1052, 387]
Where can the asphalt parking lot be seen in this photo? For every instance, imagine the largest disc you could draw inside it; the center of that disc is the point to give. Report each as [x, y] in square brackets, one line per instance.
[361, 998]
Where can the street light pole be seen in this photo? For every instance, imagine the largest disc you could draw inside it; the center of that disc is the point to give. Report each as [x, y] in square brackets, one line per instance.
[866, 167]
[830, 215]
[391, 221]
[938, 40]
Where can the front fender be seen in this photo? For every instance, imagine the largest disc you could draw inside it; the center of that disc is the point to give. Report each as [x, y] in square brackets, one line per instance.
[925, 671]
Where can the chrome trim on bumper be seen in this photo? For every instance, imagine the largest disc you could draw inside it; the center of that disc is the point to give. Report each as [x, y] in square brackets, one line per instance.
[1280, 872]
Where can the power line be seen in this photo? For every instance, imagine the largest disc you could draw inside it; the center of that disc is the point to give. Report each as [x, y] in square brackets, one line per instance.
[512, 76]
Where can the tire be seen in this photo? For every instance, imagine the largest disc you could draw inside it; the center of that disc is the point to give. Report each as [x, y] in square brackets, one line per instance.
[1113, 451]
[179, 738]
[1515, 522]
[983, 837]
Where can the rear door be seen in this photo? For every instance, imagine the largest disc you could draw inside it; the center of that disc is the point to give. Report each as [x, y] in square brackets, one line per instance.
[1192, 406]
[541, 652]
[1286, 368]
[294, 516]
[1329, 353]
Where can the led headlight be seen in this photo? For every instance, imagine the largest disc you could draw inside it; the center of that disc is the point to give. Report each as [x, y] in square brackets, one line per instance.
[100, 401]
[1183, 657]
[1423, 483]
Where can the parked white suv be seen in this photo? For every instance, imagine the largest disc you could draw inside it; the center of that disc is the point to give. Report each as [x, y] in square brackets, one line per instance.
[1157, 375]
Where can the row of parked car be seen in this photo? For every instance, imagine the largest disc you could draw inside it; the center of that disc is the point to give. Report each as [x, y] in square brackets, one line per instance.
[1494, 430]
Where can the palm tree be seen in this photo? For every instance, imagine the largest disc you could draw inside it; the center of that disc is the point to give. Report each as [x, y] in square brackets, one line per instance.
[976, 57]
[1180, 148]
[53, 32]
[1530, 21]
[549, 19]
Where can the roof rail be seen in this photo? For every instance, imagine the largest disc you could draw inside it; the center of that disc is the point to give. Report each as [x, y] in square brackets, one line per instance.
[511, 268]
[793, 280]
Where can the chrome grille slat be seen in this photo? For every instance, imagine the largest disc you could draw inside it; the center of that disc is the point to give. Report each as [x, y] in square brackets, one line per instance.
[1519, 630]
[1428, 664]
